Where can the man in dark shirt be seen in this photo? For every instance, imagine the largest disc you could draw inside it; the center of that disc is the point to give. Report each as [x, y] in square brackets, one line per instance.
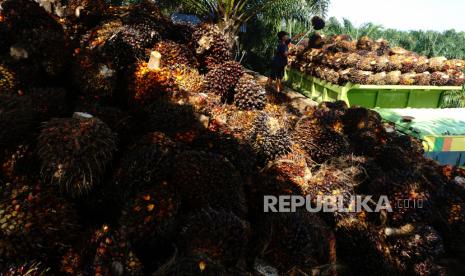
[279, 61]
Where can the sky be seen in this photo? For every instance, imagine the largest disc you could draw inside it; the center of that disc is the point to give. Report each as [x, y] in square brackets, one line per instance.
[438, 15]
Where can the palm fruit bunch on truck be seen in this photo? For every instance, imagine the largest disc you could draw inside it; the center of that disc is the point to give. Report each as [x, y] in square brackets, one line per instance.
[339, 60]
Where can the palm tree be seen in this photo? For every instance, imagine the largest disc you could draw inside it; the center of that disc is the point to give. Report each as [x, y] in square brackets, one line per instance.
[230, 15]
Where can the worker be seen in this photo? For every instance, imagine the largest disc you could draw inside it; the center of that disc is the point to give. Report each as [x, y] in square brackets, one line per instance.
[279, 62]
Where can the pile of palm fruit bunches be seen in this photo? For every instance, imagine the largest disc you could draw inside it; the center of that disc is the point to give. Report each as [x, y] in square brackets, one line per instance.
[340, 59]
[130, 145]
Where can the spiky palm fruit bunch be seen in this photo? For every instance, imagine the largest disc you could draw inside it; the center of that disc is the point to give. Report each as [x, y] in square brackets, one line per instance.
[458, 78]
[220, 235]
[95, 80]
[145, 163]
[404, 149]
[437, 64]
[269, 139]
[150, 85]
[407, 79]
[174, 54]
[128, 45]
[192, 265]
[454, 64]
[316, 41]
[223, 78]
[199, 174]
[16, 161]
[365, 43]
[249, 95]
[381, 64]
[18, 120]
[87, 12]
[331, 75]
[423, 78]
[408, 63]
[25, 269]
[362, 248]
[393, 77]
[7, 81]
[113, 254]
[377, 79]
[416, 251]
[191, 81]
[421, 65]
[35, 221]
[395, 63]
[329, 180]
[289, 174]
[26, 14]
[210, 46]
[351, 60]
[319, 141]
[439, 78]
[366, 63]
[298, 239]
[49, 101]
[173, 119]
[382, 47]
[365, 130]
[412, 203]
[149, 216]
[74, 152]
[359, 76]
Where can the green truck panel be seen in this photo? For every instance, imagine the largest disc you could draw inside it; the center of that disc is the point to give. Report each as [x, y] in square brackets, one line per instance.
[369, 96]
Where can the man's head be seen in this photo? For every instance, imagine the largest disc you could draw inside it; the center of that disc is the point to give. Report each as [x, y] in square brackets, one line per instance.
[283, 36]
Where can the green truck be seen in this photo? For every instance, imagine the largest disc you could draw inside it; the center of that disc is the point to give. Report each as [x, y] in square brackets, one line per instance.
[441, 130]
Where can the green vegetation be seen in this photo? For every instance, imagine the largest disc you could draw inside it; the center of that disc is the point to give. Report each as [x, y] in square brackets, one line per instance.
[450, 43]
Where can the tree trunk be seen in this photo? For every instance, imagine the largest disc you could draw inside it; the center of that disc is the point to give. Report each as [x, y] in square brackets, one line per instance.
[230, 29]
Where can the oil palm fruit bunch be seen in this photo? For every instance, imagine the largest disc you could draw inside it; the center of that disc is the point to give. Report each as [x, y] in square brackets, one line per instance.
[30, 268]
[18, 120]
[223, 78]
[150, 85]
[7, 81]
[329, 180]
[97, 80]
[393, 77]
[421, 65]
[128, 45]
[87, 12]
[249, 95]
[297, 239]
[174, 54]
[318, 23]
[359, 76]
[35, 222]
[381, 64]
[377, 79]
[149, 216]
[408, 63]
[37, 40]
[113, 254]
[239, 154]
[220, 235]
[366, 43]
[177, 120]
[367, 63]
[439, 78]
[192, 265]
[210, 46]
[416, 251]
[382, 47]
[407, 79]
[401, 151]
[19, 160]
[437, 64]
[454, 64]
[74, 152]
[362, 248]
[204, 179]
[269, 139]
[49, 101]
[319, 141]
[423, 78]
[364, 129]
[145, 163]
